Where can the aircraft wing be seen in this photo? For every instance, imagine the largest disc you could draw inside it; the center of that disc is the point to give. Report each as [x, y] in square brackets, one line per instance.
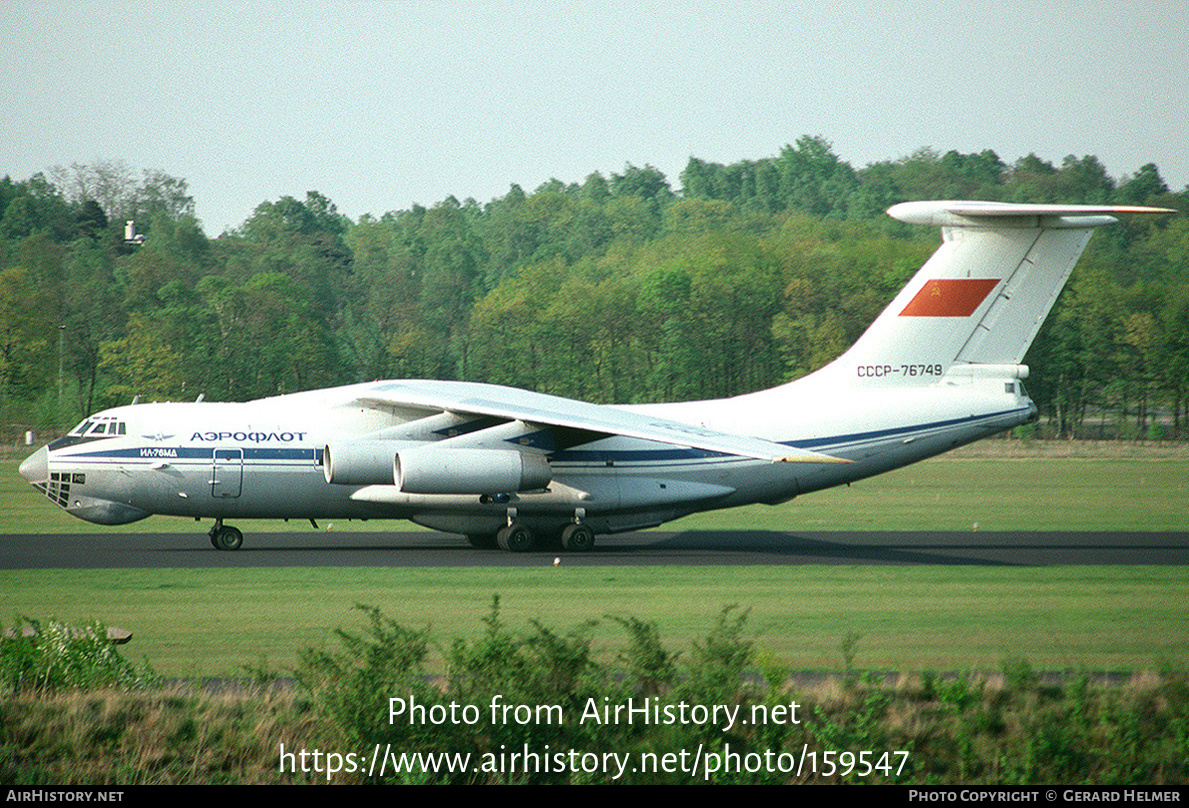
[470, 398]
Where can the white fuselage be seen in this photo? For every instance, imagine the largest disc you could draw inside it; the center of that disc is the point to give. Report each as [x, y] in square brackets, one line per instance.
[263, 459]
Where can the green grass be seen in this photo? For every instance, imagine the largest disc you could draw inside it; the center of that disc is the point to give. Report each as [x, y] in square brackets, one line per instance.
[908, 618]
[1146, 491]
[995, 494]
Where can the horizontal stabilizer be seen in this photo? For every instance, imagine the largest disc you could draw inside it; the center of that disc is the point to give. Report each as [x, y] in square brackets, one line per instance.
[973, 214]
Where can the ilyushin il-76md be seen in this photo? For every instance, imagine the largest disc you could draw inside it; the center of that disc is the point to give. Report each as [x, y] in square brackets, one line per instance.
[939, 368]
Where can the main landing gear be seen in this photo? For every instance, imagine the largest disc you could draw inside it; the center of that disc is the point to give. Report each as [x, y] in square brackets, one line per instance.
[517, 537]
[226, 537]
[577, 538]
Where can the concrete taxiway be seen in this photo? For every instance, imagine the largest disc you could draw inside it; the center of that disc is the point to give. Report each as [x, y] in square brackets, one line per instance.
[740, 547]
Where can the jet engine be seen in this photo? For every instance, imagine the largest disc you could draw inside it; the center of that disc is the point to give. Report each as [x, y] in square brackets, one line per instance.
[360, 462]
[440, 470]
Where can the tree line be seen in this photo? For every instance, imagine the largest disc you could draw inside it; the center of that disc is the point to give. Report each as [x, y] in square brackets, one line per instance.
[616, 289]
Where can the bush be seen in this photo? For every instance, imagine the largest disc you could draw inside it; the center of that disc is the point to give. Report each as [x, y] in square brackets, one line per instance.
[45, 659]
[536, 690]
[352, 687]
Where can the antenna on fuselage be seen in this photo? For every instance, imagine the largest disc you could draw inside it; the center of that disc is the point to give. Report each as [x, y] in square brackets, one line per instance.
[135, 400]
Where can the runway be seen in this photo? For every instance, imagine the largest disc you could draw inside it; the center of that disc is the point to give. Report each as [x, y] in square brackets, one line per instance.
[651, 548]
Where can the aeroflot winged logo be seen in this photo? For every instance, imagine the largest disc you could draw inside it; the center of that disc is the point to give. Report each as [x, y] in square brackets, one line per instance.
[949, 297]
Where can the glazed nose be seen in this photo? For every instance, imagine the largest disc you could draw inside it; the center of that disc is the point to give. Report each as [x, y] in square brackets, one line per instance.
[36, 467]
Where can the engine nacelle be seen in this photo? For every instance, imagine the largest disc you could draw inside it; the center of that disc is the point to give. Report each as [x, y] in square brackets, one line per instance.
[437, 470]
[360, 462]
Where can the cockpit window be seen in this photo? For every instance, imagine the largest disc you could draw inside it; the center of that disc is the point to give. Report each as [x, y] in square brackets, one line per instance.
[96, 427]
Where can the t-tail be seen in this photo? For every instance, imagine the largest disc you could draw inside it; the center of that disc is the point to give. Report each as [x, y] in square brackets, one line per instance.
[976, 305]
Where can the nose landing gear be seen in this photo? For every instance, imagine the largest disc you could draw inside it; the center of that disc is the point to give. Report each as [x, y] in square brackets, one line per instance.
[225, 537]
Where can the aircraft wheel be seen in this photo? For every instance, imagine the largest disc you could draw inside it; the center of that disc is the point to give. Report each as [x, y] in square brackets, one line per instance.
[515, 538]
[577, 538]
[227, 538]
[482, 541]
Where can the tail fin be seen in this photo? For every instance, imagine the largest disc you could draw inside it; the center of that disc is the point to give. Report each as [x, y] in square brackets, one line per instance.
[981, 298]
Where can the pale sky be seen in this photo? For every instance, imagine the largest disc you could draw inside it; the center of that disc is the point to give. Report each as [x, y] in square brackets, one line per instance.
[379, 105]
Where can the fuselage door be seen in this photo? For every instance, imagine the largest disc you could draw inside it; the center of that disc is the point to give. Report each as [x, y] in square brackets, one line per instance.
[227, 473]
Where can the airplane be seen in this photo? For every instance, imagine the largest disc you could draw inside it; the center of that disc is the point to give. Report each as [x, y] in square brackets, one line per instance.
[938, 368]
